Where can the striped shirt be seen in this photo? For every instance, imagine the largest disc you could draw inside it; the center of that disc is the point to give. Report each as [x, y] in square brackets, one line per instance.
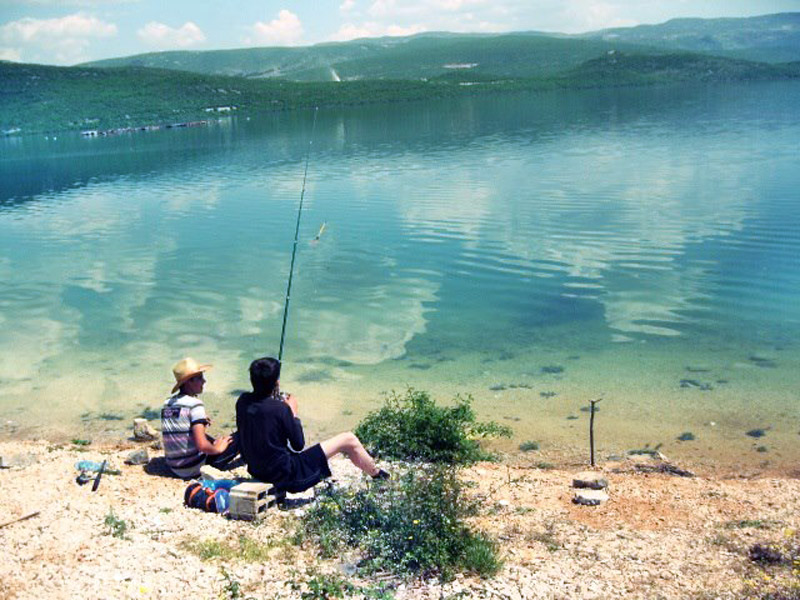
[178, 415]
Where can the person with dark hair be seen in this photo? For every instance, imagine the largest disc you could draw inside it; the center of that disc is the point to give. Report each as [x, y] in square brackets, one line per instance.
[271, 439]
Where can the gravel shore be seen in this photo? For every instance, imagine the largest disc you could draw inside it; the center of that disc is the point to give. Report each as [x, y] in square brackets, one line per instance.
[658, 536]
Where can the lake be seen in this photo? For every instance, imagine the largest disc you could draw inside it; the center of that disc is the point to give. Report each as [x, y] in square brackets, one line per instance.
[534, 250]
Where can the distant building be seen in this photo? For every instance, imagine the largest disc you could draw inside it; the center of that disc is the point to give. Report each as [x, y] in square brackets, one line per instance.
[220, 109]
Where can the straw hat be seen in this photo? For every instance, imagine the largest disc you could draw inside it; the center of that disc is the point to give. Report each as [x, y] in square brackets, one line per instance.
[186, 369]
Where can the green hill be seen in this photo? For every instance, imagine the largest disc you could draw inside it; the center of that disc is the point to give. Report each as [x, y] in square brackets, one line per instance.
[648, 69]
[768, 38]
[38, 98]
[424, 56]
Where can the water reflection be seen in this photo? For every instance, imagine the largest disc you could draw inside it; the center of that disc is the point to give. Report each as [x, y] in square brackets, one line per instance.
[593, 218]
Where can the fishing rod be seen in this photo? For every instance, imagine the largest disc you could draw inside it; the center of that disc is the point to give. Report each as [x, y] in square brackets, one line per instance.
[296, 233]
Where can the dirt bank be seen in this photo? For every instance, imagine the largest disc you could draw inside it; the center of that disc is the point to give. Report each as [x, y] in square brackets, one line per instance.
[659, 535]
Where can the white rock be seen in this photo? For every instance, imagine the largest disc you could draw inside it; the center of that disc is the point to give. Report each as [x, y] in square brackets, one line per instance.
[143, 432]
[589, 497]
[590, 479]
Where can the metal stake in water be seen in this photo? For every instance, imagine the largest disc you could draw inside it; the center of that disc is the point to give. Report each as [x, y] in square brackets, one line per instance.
[296, 233]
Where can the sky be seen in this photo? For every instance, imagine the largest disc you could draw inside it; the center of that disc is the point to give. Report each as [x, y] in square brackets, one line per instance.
[68, 32]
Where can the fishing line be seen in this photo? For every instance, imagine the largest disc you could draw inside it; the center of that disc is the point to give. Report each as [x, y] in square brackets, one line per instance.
[296, 233]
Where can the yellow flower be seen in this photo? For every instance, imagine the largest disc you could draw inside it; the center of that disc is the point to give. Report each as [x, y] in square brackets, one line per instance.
[415, 521]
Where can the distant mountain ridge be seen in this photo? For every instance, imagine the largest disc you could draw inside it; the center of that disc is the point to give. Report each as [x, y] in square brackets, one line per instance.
[769, 38]
[421, 56]
[175, 88]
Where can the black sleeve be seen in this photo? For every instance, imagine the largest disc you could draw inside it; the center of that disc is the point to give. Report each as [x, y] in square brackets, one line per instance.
[294, 430]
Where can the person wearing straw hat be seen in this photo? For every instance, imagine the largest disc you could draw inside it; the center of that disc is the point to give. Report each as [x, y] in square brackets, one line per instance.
[187, 446]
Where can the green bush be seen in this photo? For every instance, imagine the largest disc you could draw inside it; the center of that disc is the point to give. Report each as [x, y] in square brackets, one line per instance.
[412, 427]
[116, 527]
[413, 524]
[325, 586]
[529, 446]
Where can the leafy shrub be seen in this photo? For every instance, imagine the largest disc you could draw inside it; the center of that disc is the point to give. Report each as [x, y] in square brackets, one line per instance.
[116, 527]
[777, 568]
[529, 446]
[409, 525]
[412, 427]
[325, 586]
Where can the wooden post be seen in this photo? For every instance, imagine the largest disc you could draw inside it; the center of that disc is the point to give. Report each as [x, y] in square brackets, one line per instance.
[591, 428]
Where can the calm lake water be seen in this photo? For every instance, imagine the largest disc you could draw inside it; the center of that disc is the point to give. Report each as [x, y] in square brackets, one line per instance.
[534, 250]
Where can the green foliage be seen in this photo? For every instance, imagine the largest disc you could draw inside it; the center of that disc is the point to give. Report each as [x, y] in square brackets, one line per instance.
[413, 524]
[775, 568]
[245, 548]
[232, 587]
[116, 527]
[325, 586]
[767, 38]
[80, 442]
[618, 69]
[151, 91]
[529, 446]
[412, 427]
[424, 56]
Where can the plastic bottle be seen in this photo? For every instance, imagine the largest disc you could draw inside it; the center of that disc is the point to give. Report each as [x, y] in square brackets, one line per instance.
[219, 484]
[223, 500]
[91, 466]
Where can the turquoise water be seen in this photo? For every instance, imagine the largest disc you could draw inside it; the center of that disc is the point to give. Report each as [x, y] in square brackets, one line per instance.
[534, 250]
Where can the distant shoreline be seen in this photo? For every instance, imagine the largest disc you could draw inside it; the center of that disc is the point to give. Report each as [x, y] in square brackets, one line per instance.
[45, 100]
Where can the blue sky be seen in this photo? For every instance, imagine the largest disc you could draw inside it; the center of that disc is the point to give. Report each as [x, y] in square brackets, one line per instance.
[66, 32]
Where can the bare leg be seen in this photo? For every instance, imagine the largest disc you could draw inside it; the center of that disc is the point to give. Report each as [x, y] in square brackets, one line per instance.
[350, 445]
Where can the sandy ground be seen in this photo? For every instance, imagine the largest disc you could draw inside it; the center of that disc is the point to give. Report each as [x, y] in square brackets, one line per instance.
[659, 535]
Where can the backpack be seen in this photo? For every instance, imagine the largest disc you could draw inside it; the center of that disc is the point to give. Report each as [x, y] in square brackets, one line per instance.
[206, 498]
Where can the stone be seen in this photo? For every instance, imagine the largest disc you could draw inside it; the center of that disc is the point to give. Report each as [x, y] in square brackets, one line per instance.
[157, 444]
[143, 432]
[138, 457]
[652, 456]
[248, 501]
[589, 497]
[20, 461]
[590, 480]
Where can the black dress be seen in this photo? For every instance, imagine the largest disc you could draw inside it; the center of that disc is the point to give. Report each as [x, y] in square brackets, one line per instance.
[271, 443]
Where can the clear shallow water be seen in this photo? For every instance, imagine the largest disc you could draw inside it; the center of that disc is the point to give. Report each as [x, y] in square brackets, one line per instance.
[644, 243]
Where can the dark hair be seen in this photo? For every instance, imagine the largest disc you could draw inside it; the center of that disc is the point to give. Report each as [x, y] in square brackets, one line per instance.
[264, 374]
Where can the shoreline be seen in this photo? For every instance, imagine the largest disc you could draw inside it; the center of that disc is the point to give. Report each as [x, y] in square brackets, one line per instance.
[563, 448]
[658, 536]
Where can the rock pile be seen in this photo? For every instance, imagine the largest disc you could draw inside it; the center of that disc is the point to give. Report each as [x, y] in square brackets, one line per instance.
[591, 488]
